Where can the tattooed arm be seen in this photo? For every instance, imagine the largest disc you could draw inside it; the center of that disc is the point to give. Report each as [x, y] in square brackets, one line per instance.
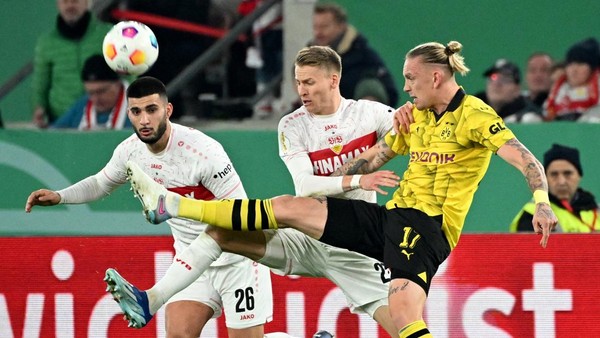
[515, 153]
[366, 165]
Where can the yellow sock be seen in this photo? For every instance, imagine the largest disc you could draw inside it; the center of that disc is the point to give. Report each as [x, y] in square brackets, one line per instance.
[416, 329]
[240, 215]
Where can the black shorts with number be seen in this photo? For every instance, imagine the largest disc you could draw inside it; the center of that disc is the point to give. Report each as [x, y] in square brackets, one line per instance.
[409, 242]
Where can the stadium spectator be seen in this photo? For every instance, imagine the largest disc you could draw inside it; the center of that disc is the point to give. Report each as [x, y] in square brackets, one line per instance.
[503, 93]
[575, 208]
[266, 53]
[58, 59]
[575, 95]
[360, 62]
[538, 77]
[104, 105]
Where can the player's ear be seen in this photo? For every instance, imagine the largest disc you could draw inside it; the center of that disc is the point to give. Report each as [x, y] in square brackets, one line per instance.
[335, 80]
[169, 109]
[437, 79]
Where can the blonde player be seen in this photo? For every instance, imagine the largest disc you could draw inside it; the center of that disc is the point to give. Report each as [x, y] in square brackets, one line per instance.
[187, 162]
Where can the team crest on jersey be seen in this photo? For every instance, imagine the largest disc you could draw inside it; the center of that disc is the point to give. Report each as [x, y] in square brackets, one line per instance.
[446, 133]
[336, 143]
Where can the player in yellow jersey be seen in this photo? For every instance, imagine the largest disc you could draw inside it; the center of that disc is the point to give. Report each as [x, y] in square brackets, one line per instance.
[450, 143]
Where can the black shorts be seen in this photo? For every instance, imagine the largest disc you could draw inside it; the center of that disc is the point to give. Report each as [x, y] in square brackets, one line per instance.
[409, 242]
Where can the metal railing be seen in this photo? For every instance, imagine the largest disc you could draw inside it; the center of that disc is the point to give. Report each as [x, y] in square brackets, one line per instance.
[187, 74]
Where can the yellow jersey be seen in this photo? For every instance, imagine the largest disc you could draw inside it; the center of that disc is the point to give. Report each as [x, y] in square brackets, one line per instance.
[449, 155]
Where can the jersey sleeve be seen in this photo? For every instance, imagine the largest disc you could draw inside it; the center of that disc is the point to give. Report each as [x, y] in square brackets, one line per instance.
[115, 171]
[291, 143]
[219, 176]
[486, 127]
[385, 119]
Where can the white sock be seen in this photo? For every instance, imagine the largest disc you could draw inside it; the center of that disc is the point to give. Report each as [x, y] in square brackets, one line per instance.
[184, 270]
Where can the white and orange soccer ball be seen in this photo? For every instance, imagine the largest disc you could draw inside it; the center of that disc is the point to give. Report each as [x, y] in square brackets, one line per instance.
[130, 48]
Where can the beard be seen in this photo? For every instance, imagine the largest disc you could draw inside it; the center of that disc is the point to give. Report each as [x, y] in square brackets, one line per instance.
[160, 131]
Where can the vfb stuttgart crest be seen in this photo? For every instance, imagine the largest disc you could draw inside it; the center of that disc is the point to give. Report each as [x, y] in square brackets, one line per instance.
[335, 143]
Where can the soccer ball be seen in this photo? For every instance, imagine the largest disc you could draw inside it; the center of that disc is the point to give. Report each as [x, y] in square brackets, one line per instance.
[130, 48]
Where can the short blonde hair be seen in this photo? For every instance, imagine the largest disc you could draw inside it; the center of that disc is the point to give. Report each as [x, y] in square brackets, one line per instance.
[320, 56]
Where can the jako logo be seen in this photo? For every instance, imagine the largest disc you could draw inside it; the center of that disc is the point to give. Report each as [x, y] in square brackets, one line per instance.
[495, 128]
[225, 171]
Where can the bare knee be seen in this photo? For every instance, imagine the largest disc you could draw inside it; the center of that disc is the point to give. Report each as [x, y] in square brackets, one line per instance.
[290, 210]
[406, 302]
[223, 237]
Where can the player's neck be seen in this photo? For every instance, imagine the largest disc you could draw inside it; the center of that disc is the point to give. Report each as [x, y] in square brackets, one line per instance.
[446, 95]
[334, 106]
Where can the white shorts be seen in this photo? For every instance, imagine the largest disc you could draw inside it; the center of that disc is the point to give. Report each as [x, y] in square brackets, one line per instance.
[363, 280]
[242, 290]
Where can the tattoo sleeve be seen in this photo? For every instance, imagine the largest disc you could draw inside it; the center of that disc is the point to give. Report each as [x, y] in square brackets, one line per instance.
[532, 168]
[367, 162]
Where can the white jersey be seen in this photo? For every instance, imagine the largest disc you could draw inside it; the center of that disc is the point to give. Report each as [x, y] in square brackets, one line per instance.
[329, 141]
[192, 165]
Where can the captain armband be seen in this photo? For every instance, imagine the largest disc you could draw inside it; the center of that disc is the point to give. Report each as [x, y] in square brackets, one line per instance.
[541, 196]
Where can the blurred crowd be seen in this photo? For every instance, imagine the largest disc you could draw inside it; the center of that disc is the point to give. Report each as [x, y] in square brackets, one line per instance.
[562, 89]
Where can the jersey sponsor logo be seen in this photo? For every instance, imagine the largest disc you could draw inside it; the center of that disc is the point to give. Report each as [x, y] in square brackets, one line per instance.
[496, 128]
[330, 126]
[227, 170]
[156, 166]
[326, 161]
[198, 192]
[246, 317]
[431, 157]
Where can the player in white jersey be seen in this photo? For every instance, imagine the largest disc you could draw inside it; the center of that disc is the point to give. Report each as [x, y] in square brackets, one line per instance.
[314, 141]
[187, 162]
[313, 146]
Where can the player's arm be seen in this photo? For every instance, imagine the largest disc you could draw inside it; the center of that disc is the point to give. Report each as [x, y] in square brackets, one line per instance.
[367, 164]
[369, 161]
[515, 153]
[89, 189]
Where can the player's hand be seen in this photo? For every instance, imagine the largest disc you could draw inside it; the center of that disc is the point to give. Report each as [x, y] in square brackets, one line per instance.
[544, 221]
[42, 197]
[382, 178]
[403, 117]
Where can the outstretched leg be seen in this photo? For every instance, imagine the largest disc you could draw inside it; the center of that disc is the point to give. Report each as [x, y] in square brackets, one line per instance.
[305, 214]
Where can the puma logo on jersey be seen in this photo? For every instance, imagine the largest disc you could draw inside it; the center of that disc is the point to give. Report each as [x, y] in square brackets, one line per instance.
[407, 254]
